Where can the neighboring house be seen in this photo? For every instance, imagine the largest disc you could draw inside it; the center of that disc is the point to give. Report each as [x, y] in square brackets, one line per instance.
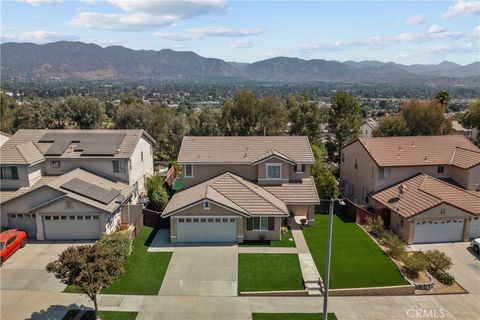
[240, 188]
[460, 130]
[394, 176]
[4, 137]
[367, 127]
[72, 184]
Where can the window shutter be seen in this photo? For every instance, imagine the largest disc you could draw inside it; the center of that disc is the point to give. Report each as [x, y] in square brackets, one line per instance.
[14, 173]
[303, 168]
[250, 224]
[271, 223]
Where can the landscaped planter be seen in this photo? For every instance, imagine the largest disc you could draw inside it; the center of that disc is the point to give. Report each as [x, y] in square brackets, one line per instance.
[427, 286]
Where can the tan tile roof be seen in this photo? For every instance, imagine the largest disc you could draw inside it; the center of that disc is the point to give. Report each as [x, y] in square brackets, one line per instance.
[273, 153]
[6, 195]
[230, 191]
[423, 192]
[243, 149]
[56, 183]
[20, 144]
[303, 192]
[422, 150]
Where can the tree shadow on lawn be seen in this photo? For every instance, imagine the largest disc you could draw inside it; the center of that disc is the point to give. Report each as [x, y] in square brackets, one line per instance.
[343, 216]
[54, 312]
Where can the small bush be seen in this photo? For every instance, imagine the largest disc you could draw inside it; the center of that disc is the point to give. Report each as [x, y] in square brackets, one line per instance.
[377, 227]
[395, 245]
[284, 231]
[122, 227]
[415, 264]
[303, 221]
[118, 243]
[438, 262]
[261, 237]
[445, 278]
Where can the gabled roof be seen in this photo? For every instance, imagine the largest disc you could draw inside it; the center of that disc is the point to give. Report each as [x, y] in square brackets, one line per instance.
[56, 183]
[423, 192]
[302, 192]
[29, 145]
[273, 153]
[243, 149]
[230, 191]
[422, 151]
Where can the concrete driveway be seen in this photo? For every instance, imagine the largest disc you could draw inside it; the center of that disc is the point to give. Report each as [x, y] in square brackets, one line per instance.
[204, 270]
[25, 269]
[466, 264]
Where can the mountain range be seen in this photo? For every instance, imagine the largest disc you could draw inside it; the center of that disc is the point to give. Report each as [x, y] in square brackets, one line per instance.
[78, 60]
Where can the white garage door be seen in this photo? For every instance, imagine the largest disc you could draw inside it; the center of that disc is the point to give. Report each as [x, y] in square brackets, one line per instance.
[23, 221]
[474, 231]
[207, 230]
[438, 231]
[71, 227]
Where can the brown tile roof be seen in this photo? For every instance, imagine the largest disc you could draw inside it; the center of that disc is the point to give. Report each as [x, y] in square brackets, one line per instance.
[273, 153]
[423, 192]
[24, 146]
[243, 149]
[303, 192]
[56, 182]
[422, 150]
[232, 192]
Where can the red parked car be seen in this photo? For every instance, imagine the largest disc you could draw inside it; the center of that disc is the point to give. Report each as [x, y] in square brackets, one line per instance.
[10, 241]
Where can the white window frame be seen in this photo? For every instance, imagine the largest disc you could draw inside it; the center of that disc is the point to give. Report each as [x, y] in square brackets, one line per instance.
[296, 168]
[268, 165]
[185, 169]
[262, 224]
[55, 164]
[68, 204]
[206, 205]
[122, 167]
[383, 173]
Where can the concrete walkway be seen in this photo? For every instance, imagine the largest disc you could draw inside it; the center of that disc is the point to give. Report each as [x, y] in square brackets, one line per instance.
[202, 271]
[310, 274]
[259, 249]
[161, 242]
[52, 305]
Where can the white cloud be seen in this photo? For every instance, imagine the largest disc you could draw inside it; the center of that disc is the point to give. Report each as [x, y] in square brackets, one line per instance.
[145, 14]
[203, 32]
[436, 29]
[469, 8]
[39, 36]
[41, 2]
[456, 48]
[242, 44]
[476, 33]
[415, 20]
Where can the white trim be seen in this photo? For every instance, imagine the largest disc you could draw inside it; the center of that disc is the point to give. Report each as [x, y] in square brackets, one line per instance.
[211, 201]
[273, 156]
[273, 165]
[206, 205]
[301, 166]
[185, 169]
[207, 217]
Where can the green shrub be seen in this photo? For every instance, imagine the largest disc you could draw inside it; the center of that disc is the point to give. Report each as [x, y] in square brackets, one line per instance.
[438, 261]
[156, 192]
[396, 247]
[377, 227]
[414, 264]
[445, 278]
[284, 231]
[262, 237]
[118, 243]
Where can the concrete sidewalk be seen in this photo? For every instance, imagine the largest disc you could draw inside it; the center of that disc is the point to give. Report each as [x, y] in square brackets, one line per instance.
[52, 305]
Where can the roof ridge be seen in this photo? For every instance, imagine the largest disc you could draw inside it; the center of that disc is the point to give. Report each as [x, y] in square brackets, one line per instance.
[448, 184]
[231, 175]
[255, 191]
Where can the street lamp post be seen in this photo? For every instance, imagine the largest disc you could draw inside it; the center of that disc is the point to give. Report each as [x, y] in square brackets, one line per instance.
[326, 283]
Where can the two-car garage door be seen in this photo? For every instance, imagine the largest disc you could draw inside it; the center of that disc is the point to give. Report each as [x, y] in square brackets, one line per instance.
[431, 231]
[207, 230]
[71, 227]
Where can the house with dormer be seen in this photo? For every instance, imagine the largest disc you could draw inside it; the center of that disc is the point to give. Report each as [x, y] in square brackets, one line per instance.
[241, 188]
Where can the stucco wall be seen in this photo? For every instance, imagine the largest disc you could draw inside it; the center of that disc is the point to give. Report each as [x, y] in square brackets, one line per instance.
[197, 210]
[141, 170]
[398, 174]
[22, 180]
[269, 235]
[300, 175]
[474, 178]
[202, 172]
[262, 172]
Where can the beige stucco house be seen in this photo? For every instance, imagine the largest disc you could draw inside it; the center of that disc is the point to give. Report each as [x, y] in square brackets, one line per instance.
[72, 184]
[241, 188]
[427, 188]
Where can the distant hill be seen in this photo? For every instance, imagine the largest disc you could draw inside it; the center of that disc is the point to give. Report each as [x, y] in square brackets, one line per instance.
[77, 60]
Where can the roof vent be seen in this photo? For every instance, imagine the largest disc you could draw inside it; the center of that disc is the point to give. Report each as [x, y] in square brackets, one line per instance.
[426, 158]
[198, 156]
[413, 144]
[245, 155]
[400, 148]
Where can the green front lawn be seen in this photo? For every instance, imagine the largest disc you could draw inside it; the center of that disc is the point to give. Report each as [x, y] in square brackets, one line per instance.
[357, 261]
[144, 271]
[104, 315]
[269, 272]
[284, 242]
[291, 316]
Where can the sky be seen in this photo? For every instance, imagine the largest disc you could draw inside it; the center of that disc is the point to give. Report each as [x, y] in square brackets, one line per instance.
[406, 32]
